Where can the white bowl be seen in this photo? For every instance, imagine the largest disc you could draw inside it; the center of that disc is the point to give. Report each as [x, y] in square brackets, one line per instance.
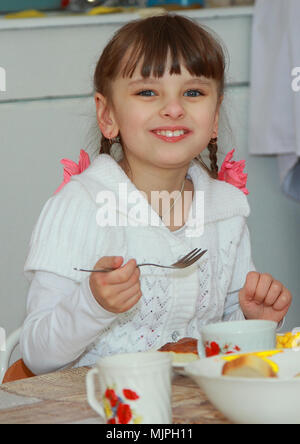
[252, 401]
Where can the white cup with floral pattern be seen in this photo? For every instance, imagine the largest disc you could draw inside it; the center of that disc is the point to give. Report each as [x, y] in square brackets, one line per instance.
[236, 337]
[132, 388]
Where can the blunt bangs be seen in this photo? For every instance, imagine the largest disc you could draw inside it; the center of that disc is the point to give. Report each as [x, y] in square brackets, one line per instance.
[149, 43]
[185, 42]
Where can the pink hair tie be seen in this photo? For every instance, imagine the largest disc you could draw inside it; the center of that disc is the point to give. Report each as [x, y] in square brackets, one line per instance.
[232, 172]
[71, 168]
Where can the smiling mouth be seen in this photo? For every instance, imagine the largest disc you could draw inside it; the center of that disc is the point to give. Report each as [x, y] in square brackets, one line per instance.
[171, 135]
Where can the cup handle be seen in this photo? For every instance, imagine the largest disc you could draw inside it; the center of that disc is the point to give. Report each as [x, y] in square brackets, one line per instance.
[201, 350]
[90, 389]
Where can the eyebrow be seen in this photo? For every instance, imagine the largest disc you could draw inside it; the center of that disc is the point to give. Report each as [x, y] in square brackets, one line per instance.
[197, 80]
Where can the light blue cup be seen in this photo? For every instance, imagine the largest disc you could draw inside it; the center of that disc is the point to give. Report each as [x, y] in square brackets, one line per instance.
[236, 337]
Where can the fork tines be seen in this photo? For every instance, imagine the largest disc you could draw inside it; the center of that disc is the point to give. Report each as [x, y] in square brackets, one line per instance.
[190, 258]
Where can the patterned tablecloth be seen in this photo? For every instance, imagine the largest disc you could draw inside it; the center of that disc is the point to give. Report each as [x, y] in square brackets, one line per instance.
[60, 398]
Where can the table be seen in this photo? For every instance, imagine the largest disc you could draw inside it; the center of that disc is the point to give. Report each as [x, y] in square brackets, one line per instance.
[60, 398]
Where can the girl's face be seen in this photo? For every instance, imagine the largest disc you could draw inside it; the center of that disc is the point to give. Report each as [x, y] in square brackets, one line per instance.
[164, 122]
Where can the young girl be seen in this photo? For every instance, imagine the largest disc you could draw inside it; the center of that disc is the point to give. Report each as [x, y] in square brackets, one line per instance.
[159, 85]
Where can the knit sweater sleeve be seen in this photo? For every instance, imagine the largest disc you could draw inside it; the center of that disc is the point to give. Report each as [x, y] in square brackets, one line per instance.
[63, 319]
[66, 235]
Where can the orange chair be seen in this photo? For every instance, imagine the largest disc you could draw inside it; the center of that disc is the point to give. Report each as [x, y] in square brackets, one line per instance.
[16, 371]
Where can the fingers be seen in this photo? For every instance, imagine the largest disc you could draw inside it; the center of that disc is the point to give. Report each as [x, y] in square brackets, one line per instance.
[249, 290]
[118, 276]
[128, 298]
[122, 274]
[261, 288]
[283, 301]
[121, 302]
[109, 262]
[267, 294]
[133, 280]
[274, 292]
[119, 290]
[278, 297]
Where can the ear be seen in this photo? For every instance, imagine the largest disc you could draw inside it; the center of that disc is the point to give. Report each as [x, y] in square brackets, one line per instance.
[105, 117]
[217, 115]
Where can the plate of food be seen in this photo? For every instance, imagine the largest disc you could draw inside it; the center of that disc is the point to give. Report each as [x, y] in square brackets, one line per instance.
[252, 388]
[183, 352]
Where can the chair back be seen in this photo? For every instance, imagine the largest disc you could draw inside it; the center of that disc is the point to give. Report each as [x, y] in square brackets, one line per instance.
[5, 355]
[17, 371]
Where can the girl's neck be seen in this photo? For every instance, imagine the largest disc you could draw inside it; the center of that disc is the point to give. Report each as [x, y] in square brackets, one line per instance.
[169, 180]
[154, 179]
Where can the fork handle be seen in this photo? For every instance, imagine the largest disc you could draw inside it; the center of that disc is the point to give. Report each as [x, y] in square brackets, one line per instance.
[155, 265]
[106, 270]
[103, 270]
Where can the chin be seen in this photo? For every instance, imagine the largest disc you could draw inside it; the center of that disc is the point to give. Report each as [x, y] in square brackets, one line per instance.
[178, 160]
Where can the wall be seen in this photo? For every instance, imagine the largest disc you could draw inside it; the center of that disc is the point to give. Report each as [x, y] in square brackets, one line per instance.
[47, 114]
[274, 221]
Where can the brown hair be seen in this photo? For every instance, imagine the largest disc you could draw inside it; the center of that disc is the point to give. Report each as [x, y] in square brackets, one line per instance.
[150, 40]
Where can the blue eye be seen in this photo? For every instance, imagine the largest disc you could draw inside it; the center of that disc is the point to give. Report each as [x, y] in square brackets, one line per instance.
[146, 93]
[193, 93]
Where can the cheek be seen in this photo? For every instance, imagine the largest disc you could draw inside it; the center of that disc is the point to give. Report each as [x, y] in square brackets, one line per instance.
[130, 120]
[206, 120]
[129, 125]
[206, 112]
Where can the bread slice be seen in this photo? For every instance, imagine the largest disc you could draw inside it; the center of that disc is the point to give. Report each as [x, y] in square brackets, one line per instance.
[248, 366]
[182, 358]
[183, 351]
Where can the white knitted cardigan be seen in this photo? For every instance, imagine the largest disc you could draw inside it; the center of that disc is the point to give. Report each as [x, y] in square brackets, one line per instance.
[67, 235]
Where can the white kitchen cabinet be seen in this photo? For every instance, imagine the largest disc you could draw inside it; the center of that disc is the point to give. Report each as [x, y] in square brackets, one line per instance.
[56, 57]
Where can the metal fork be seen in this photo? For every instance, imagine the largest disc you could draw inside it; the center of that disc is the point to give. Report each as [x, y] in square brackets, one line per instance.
[184, 262]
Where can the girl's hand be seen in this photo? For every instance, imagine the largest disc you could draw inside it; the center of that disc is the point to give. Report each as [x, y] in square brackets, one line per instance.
[262, 297]
[119, 290]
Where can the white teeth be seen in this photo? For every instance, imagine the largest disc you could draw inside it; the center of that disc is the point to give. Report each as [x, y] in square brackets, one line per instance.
[168, 133]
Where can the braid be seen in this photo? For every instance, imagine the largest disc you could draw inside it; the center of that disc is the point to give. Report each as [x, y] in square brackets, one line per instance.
[213, 148]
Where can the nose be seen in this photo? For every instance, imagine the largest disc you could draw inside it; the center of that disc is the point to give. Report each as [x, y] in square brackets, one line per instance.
[173, 109]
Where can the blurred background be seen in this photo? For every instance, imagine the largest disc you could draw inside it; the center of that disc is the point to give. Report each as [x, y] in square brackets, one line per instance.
[48, 52]
[84, 5]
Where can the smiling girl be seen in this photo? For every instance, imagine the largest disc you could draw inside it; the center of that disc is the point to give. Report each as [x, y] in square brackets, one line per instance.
[159, 85]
